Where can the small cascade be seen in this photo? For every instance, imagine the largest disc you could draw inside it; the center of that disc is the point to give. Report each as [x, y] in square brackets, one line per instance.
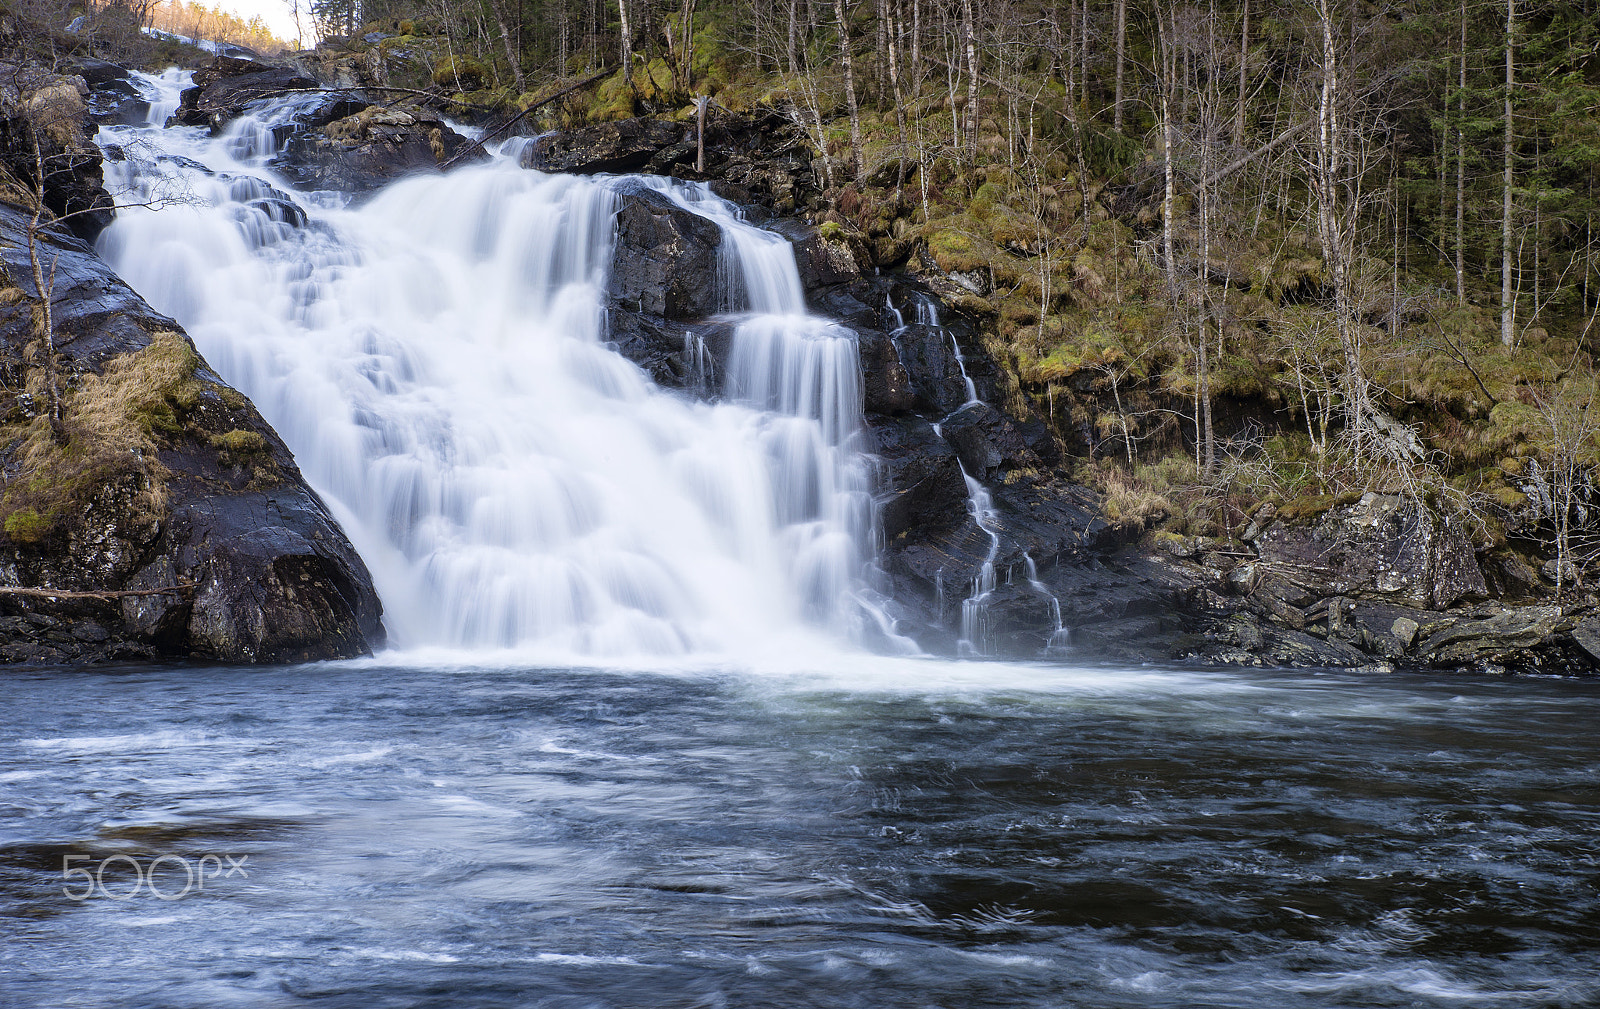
[928, 315]
[254, 137]
[436, 359]
[524, 151]
[974, 639]
[163, 93]
[975, 608]
[1061, 637]
[702, 367]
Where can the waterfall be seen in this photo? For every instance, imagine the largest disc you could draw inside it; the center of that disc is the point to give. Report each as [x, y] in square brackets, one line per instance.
[974, 640]
[975, 608]
[436, 360]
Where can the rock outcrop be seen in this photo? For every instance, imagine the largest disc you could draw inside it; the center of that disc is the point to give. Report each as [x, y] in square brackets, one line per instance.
[1378, 582]
[45, 124]
[666, 257]
[371, 148]
[161, 517]
[114, 100]
[753, 158]
[227, 85]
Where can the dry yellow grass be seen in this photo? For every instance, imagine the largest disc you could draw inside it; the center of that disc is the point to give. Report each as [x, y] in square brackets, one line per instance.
[113, 424]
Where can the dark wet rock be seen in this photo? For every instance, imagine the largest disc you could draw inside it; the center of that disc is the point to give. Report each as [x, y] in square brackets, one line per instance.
[240, 560]
[365, 151]
[665, 260]
[1586, 638]
[930, 360]
[613, 148]
[821, 261]
[1241, 639]
[37, 105]
[223, 88]
[114, 100]
[885, 384]
[1498, 637]
[920, 488]
[676, 355]
[1381, 547]
[758, 157]
[987, 441]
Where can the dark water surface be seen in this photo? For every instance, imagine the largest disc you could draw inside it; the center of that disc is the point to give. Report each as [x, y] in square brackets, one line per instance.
[930, 835]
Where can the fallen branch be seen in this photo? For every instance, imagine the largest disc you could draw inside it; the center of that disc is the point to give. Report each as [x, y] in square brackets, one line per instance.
[414, 92]
[1269, 147]
[478, 144]
[1461, 356]
[104, 595]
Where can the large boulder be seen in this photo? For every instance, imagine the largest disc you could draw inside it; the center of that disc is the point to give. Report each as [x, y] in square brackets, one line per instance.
[822, 259]
[114, 100]
[987, 441]
[615, 148]
[367, 150]
[1384, 546]
[223, 89]
[165, 518]
[1495, 636]
[665, 261]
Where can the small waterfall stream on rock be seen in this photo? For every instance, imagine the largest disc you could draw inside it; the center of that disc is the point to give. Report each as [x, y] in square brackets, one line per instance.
[974, 640]
[436, 359]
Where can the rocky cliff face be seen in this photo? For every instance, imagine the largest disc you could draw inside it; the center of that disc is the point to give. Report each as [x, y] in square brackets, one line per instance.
[1380, 582]
[158, 515]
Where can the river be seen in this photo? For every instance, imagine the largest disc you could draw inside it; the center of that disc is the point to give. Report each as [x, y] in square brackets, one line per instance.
[885, 833]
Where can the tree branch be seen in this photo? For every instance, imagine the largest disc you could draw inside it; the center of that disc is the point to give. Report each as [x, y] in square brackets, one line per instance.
[478, 144]
[180, 588]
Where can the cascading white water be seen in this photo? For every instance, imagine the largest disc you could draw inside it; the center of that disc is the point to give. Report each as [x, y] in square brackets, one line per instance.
[1061, 637]
[975, 608]
[974, 640]
[436, 360]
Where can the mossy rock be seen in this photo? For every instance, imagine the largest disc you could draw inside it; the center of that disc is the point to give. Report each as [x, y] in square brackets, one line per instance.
[239, 442]
[462, 73]
[1310, 506]
[956, 251]
[27, 526]
[113, 425]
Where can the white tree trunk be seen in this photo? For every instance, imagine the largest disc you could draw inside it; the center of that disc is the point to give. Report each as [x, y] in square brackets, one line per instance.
[1507, 305]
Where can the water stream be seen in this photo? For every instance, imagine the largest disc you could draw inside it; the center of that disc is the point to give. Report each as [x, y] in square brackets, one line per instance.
[974, 639]
[722, 804]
